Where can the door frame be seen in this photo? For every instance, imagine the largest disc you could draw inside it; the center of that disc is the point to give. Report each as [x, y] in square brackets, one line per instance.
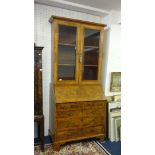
[101, 29]
[56, 33]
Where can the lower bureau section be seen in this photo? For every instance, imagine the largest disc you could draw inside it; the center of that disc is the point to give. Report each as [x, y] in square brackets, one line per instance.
[79, 120]
[76, 133]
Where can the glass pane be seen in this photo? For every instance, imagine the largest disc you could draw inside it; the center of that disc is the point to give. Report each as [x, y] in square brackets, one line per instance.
[66, 72]
[91, 54]
[91, 37]
[67, 34]
[90, 73]
[66, 53]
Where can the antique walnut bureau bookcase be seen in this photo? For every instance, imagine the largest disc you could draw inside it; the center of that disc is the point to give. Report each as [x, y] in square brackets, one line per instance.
[79, 102]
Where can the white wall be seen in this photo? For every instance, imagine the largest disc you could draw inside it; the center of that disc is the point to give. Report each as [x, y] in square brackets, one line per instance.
[111, 56]
[42, 37]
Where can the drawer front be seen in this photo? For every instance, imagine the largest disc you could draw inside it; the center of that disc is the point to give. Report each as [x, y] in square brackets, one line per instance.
[68, 123]
[94, 112]
[94, 104]
[68, 114]
[82, 132]
[69, 106]
[65, 135]
[93, 131]
[93, 121]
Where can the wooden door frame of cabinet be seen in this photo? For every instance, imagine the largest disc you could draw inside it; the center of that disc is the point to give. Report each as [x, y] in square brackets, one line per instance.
[79, 50]
[56, 32]
[101, 29]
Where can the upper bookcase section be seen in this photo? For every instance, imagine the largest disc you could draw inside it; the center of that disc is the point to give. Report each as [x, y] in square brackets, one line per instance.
[77, 51]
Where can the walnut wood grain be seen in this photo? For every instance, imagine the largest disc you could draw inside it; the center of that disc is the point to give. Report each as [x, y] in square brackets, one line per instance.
[69, 114]
[80, 132]
[69, 106]
[94, 105]
[69, 123]
[77, 93]
[80, 107]
[89, 121]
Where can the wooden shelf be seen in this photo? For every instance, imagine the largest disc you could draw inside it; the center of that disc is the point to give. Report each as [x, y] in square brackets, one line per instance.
[64, 44]
[91, 46]
[90, 65]
[66, 64]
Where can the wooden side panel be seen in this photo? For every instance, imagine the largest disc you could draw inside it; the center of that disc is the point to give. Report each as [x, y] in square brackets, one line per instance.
[101, 55]
[55, 35]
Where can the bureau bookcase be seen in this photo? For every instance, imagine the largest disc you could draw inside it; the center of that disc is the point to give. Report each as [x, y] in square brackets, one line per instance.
[79, 101]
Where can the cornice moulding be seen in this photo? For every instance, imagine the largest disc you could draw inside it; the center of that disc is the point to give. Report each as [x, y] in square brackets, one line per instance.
[74, 7]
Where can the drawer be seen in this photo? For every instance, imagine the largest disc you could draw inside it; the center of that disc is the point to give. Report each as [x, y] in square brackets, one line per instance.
[93, 121]
[68, 123]
[69, 106]
[92, 112]
[79, 132]
[66, 114]
[65, 135]
[94, 104]
[93, 131]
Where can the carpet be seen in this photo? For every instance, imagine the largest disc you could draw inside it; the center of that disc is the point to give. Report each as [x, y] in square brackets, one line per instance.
[76, 148]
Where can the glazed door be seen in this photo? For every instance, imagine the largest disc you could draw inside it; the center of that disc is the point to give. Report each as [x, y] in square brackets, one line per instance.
[66, 48]
[91, 54]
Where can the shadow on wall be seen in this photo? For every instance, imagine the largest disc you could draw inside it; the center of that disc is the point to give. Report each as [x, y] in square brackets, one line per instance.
[105, 57]
[51, 109]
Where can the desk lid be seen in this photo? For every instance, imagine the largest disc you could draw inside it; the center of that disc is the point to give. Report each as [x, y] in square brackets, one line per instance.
[75, 93]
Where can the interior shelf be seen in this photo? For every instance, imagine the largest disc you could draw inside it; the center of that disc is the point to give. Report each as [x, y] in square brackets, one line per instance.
[65, 44]
[66, 64]
[88, 46]
[90, 65]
